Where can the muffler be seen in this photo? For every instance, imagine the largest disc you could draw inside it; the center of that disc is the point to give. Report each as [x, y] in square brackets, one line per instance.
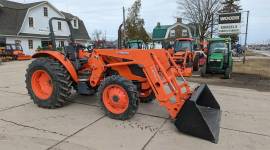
[200, 116]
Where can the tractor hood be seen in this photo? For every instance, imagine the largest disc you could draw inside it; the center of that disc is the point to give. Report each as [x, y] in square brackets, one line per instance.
[216, 57]
[216, 60]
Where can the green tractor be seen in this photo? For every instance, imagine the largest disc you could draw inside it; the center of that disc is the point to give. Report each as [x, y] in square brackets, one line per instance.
[136, 44]
[219, 58]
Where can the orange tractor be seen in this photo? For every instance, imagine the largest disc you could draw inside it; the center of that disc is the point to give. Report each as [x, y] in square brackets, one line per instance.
[186, 56]
[15, 52]
[123, 79]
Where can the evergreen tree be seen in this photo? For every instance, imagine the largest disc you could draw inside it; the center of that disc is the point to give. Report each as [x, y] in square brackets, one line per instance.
[230, 6]
[135, 25]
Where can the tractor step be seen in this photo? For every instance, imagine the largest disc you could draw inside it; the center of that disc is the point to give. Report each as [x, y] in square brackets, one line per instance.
[84, 89]
[84, 76]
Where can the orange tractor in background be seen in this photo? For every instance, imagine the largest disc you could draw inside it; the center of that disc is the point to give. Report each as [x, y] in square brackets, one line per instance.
[14, 52]
[122, 79]
[186, 55]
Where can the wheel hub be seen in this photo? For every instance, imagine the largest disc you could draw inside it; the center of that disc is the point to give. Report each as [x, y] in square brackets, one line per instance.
[42, 84]
[115, 99]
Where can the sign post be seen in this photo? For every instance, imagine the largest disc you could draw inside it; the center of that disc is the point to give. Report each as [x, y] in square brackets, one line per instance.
[245, 53]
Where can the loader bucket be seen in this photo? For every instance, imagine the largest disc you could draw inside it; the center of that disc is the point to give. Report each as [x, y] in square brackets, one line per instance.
[200, 115]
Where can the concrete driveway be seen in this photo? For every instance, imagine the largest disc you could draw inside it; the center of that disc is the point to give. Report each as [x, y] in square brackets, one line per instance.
[82, 126]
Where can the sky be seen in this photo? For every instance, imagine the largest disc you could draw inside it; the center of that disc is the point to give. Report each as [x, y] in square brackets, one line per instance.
[106, 15]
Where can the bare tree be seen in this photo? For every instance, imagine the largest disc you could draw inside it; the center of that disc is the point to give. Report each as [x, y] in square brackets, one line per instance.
[97, 35]
[200, 12]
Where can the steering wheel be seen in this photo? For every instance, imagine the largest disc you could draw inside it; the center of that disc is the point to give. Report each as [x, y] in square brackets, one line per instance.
[90, 48]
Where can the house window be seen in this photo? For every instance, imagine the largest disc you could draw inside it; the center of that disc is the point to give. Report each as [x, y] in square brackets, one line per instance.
[31, 22]
[45, 10]
[172, 33]
[30, 44]
[75, 23]
[18, 42]
[59, 25]
[184, 32]
[61, 44]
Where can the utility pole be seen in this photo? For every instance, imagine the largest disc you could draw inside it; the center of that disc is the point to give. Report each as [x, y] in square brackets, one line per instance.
[124, 26]
[212, 26]
[246, 34]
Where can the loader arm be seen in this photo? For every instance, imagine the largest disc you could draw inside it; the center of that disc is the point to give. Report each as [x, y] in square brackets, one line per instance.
[159, 74]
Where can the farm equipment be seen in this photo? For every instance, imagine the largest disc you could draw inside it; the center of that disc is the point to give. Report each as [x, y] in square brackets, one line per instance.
[219, 57]
[14, 52]
[123, 79]
[3, 56]
[136, 44]
[186, 57]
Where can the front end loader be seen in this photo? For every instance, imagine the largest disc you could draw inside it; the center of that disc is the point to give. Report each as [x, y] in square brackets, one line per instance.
[123, 79]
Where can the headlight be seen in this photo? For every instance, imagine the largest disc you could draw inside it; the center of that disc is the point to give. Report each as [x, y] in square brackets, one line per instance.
[217, 60]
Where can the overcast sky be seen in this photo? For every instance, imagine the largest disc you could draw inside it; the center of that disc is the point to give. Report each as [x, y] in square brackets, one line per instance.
[106, 15]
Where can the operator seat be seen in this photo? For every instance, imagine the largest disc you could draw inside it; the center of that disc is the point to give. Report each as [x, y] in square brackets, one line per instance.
[72, 52]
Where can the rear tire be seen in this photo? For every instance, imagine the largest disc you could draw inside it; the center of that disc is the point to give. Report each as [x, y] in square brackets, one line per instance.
[116, 92]
[60, 81]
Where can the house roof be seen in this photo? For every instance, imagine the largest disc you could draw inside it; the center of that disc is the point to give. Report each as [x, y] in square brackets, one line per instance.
[15, 5]
[11, 20]
[80, 33]
[12, 15]
[160, 31]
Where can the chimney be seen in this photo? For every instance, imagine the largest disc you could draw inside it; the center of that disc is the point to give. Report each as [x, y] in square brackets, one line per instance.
[158, 24]
[179, 20]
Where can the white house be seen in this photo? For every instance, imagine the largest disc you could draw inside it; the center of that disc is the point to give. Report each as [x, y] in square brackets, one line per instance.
[28, 25]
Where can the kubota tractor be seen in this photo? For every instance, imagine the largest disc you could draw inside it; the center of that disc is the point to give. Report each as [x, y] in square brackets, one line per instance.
[186, 56]
[15, 51]
[123, 79]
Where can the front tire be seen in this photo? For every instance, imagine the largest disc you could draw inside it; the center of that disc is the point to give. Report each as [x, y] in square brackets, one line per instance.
[48, 83]
[118, 97]
[203, 70]
[227, 74]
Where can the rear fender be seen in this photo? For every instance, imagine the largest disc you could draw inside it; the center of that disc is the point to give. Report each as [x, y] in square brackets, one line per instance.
[61, 58]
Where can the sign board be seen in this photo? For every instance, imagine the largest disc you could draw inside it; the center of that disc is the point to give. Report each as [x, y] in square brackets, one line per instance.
[229, 23]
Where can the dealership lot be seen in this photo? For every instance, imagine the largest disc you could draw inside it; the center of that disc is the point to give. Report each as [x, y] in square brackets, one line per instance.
[81, 125]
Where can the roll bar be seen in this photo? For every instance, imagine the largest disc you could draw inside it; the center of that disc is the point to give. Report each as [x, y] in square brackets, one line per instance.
[52, 35]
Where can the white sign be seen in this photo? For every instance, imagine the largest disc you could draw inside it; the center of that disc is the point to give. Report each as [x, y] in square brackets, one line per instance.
[229, 23]
[231, 28]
